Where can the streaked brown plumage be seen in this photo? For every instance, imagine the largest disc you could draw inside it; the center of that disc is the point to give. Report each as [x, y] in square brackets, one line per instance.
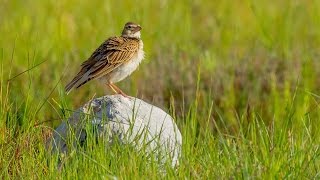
[114, 60]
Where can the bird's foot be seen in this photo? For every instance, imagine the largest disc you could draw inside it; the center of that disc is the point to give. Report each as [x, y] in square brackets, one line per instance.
[123, 94]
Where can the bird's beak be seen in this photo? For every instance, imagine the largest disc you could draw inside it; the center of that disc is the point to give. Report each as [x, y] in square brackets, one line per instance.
[138, 28]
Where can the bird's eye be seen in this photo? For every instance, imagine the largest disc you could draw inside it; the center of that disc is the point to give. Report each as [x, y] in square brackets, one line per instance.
[129, 27]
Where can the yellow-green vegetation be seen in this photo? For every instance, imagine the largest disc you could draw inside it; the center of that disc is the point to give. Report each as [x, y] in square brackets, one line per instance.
[241, 78]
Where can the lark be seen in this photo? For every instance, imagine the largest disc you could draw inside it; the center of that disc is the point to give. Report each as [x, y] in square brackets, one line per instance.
[114, 60]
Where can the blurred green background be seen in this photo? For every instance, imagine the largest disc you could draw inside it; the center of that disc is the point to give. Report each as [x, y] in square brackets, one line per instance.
[209, 63]
[248, 55]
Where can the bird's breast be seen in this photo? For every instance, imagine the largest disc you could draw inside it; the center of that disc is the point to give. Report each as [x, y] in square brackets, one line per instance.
[126, 69]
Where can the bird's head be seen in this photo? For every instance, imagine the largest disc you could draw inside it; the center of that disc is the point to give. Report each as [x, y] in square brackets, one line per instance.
[131, 30]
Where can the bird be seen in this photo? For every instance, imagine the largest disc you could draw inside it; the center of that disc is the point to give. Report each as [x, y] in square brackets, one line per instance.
[114, 60]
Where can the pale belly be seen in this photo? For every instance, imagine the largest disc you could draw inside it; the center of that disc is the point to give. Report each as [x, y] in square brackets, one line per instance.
[124, 70]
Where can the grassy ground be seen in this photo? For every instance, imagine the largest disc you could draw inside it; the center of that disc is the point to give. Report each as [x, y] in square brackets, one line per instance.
[241, 78]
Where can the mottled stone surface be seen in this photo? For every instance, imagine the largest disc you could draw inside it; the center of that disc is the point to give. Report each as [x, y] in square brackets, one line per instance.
[125, 118]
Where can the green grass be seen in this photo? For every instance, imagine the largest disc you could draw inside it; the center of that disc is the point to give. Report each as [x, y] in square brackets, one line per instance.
[242, 80]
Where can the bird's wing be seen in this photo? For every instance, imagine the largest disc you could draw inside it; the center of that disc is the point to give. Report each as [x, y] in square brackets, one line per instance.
[114, 52]
[111, 54]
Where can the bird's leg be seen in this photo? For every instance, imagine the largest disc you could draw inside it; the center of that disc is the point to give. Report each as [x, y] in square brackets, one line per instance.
[113, 89]
[117, 90]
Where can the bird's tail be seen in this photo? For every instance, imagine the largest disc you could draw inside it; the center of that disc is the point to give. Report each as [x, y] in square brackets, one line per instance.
[76, 82]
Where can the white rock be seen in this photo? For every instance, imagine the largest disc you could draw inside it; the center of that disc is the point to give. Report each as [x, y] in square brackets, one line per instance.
[125, 118]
